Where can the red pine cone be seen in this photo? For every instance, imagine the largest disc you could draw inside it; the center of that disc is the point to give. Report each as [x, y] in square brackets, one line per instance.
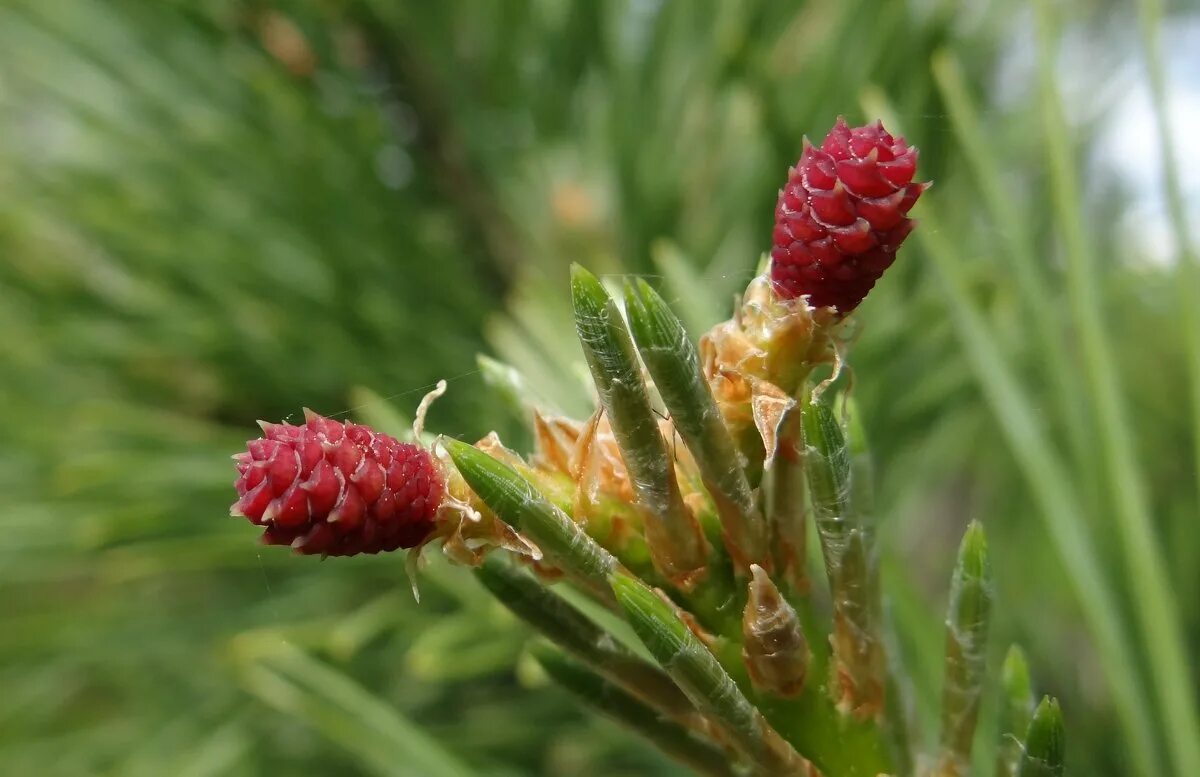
[337, 489]
[842, 215]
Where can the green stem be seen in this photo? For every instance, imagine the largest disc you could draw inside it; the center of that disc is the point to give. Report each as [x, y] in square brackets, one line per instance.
[838, 745]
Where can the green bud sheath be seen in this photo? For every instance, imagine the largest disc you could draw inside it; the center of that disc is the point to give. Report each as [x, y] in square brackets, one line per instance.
[1016, 710]
[848, 547]
[698, 673]
[677, 545]
[674, 363]
[1045, 743]
[966, 650]
[680, 652]
[516, 502]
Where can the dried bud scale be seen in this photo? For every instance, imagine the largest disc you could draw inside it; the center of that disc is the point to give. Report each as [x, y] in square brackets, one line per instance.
[842, 215]
[757, 361]
[335, 488]
[774, 648]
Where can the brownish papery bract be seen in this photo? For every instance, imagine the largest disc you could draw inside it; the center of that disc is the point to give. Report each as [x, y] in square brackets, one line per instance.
[773, 644]
[756, 361]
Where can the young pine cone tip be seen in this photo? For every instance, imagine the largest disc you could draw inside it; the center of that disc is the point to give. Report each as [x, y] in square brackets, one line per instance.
[842, 215]
[337, 489]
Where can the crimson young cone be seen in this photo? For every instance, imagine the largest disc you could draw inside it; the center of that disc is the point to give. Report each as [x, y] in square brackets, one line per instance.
[842, 215]
[338, 489]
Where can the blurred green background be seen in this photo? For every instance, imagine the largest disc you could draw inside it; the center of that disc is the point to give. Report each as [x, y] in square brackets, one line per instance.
[222, 211]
